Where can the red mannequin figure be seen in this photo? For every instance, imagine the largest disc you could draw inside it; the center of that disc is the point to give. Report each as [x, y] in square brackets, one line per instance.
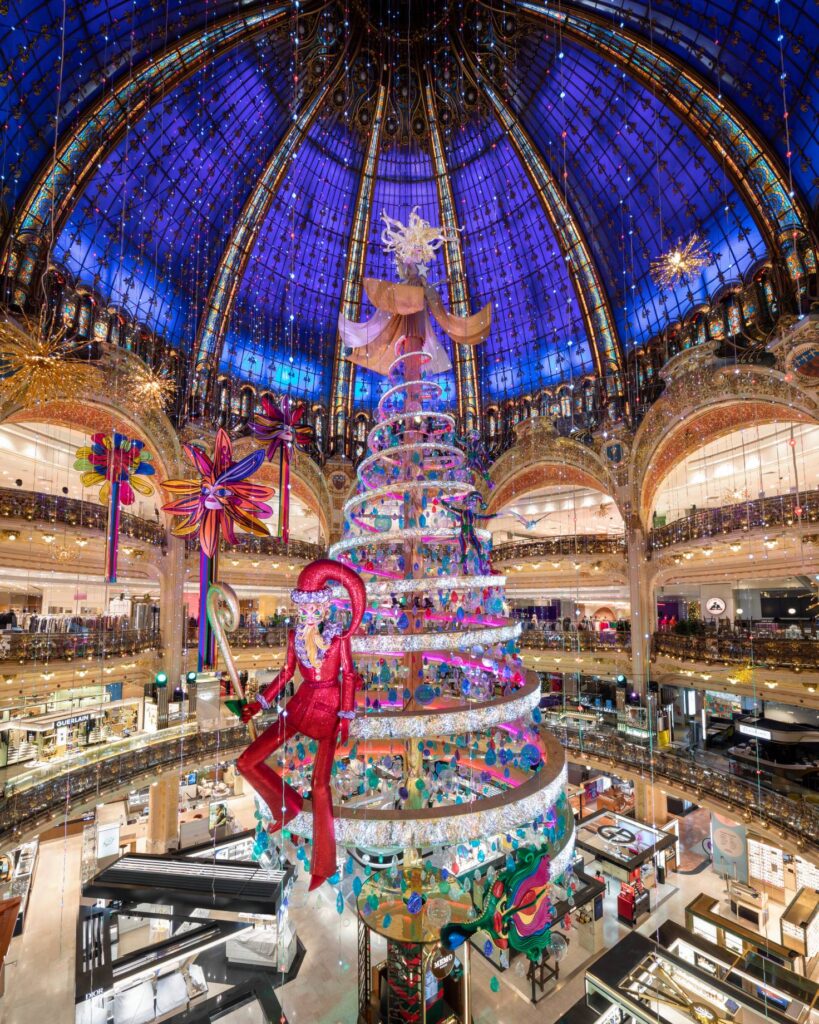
[320, 709]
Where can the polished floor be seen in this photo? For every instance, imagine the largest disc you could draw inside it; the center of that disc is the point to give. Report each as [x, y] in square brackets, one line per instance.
[40, 970]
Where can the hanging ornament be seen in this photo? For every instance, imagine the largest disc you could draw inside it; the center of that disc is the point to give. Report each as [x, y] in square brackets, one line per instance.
[149, 389]
[37, 366]
[280, 430]
[681, 263]
[211, 506]
[118, 463]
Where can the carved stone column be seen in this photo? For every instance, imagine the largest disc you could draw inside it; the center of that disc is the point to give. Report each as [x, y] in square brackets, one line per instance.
[172, 614]
[340, 475]
[642, 603]
[163, 812]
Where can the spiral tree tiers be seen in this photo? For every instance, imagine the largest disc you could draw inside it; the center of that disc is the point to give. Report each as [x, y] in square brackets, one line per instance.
[446, 750]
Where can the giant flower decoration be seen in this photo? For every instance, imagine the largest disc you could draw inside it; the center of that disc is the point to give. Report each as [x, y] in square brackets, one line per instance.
[221, 498]
[280, 430]
[115, 459]
[280, 427]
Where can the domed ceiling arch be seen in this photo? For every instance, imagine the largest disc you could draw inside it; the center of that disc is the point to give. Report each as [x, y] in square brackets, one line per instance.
[150, 201]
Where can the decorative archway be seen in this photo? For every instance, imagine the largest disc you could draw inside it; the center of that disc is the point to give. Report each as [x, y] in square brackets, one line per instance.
[101, 412]
[541, 457]
[702, 406]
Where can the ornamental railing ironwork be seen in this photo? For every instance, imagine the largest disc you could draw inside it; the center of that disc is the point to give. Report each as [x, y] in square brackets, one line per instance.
[266, 547]
[797, 819]
[550, 547]
[27, 806]
[760, 651]
[781, 510]
[575, 640]
[248, 636]
[35, 804]
[83, 644]
[53, 508]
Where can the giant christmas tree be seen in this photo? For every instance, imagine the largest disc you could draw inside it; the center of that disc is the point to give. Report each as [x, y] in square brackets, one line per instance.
[447, 773]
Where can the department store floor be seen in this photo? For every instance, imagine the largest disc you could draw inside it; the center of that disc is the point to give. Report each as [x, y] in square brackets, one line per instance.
[40, 967]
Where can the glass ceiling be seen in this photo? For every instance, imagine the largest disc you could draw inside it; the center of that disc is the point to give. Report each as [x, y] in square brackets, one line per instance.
[149, 227]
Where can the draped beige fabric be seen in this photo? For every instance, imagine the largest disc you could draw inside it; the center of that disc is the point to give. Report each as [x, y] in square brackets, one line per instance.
[403, 310]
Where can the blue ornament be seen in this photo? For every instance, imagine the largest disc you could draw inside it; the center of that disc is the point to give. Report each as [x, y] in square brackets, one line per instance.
[424, 693]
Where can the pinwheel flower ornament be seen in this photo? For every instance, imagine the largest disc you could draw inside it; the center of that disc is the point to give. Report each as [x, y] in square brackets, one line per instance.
[212, 505]
[221, 497]
[280, 430]
[115, 459]
[118, 463]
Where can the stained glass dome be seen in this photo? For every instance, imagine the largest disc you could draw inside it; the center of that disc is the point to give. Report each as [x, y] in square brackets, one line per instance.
[218, 170]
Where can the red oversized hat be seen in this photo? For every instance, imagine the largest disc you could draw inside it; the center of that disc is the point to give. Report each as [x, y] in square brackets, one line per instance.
[312, 586]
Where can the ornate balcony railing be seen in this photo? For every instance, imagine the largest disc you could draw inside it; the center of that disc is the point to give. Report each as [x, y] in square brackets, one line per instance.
[798, 820]
[30, 802]
[247, 636]
[580, 640]
[53, 508]
[52, 647]
[761, 651]
[266, 547]
[103, 770]
[763, 513]
[560, 547]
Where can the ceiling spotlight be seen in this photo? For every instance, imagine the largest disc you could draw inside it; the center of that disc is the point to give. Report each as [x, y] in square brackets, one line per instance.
[770, 542]
[81, 542]
[708, 551]
[688, 555]
[791, 611]
[555, 565]
[49, 538]
[735, 545]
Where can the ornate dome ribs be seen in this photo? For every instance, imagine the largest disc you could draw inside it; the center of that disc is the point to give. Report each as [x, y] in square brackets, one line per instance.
[643, 178]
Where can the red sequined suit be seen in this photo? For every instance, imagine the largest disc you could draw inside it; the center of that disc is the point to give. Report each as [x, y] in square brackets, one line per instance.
[313, 712]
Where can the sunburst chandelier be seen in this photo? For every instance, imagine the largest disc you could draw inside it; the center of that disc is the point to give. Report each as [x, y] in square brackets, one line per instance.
[37, 366]
[63, 553]
[681, 263]
[149, 389]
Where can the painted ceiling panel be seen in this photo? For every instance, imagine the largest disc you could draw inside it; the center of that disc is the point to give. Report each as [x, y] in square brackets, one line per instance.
[297, 267]
[513, 260]
[744, 48]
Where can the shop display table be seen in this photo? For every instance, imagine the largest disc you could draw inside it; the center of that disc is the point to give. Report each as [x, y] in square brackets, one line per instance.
[748, 903]
[632, 902]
